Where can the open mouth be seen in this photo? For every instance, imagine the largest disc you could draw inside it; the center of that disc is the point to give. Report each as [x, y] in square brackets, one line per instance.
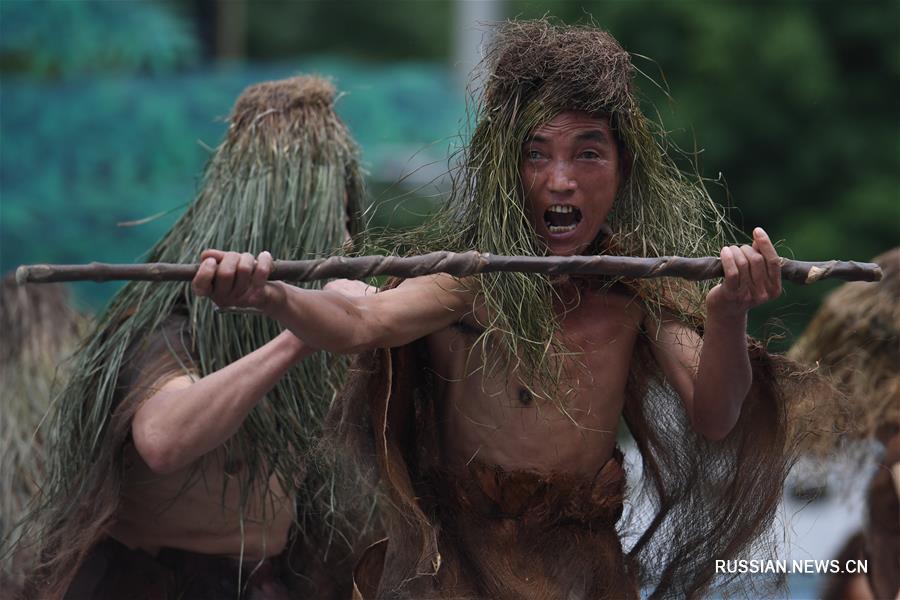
[562, 218]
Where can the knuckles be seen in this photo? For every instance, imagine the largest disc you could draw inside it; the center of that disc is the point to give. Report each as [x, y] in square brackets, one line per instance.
[739, 264]
[221, 272]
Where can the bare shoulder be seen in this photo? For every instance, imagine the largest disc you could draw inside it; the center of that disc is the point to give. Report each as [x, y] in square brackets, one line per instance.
[676, 347]
[174, 383]
[665, 326]
[162, 357]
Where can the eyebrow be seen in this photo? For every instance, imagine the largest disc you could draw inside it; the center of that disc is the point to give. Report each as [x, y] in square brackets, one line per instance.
[594, 135]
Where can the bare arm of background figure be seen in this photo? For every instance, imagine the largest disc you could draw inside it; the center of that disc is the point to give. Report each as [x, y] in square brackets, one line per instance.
[189, 417]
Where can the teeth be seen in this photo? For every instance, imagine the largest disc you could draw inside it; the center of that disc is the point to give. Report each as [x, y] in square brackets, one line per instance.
[561, 228]
[561, 208]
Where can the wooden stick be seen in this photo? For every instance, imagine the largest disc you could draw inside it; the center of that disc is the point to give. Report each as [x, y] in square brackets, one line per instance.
[460, 265]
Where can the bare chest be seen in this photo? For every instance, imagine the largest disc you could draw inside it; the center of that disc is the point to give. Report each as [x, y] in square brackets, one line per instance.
[504, 418]
[201, 511]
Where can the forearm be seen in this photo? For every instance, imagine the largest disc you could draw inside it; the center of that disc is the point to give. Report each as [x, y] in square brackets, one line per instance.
[723, 376]
[343, 322]
[185, 420]
[752, 276]
[323, 319]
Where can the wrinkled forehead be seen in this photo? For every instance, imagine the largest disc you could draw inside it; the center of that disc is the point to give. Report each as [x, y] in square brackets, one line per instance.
[577, 127]
[595, 126]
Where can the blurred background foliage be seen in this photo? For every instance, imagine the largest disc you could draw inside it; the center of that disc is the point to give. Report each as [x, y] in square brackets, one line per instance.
[108, 111]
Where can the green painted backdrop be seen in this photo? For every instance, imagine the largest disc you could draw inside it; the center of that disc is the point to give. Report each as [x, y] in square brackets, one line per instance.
[107, 110]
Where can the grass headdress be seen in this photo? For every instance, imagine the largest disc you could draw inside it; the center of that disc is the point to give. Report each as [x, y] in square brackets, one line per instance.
[285, 180]
[532, 72]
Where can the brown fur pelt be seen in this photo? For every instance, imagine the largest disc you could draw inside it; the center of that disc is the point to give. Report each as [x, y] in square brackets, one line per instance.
[854, 338]
[485, 533]
[707, 500]
[710, 500]
[527, 535]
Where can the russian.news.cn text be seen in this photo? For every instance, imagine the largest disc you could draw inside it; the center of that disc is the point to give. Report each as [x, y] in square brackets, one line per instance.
[806, 567]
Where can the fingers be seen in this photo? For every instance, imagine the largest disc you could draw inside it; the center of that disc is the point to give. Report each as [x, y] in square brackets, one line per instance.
[211, 253]
[225, 276]
[202, 283]
[244, 272]
[264, 264]
[232, 278]
[764, 246]
[758, 279]
[751, 275]
[734, 265]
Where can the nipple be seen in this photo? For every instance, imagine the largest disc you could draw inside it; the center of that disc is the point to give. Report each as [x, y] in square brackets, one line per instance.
[525, 397]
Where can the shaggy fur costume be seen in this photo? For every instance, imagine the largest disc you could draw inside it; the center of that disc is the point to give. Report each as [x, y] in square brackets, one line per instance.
[485, 532]
[476, 534]
[707, 501]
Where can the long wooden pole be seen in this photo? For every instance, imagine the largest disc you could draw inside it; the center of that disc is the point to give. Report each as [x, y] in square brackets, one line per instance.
[458, 264]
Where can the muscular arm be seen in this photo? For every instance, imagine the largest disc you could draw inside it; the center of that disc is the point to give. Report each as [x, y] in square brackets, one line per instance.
[187, 418]
[347, 325]
[713, 376]
[332, 321]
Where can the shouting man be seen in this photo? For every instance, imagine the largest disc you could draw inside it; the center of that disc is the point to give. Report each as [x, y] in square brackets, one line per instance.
[493, 416]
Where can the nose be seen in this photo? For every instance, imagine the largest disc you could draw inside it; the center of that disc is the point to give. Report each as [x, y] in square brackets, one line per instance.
[561, 179]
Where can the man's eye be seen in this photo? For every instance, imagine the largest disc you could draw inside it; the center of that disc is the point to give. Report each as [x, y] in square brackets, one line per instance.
[590, 154]
[533, 154]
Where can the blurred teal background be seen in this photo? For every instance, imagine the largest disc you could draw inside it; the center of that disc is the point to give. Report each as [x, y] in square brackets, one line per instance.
[108, 111]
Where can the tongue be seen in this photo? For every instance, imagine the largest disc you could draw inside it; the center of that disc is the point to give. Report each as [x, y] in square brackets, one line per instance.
[560, 219]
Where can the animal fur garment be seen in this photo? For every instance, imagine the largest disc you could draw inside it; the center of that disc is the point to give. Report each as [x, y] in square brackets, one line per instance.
[707, 501]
